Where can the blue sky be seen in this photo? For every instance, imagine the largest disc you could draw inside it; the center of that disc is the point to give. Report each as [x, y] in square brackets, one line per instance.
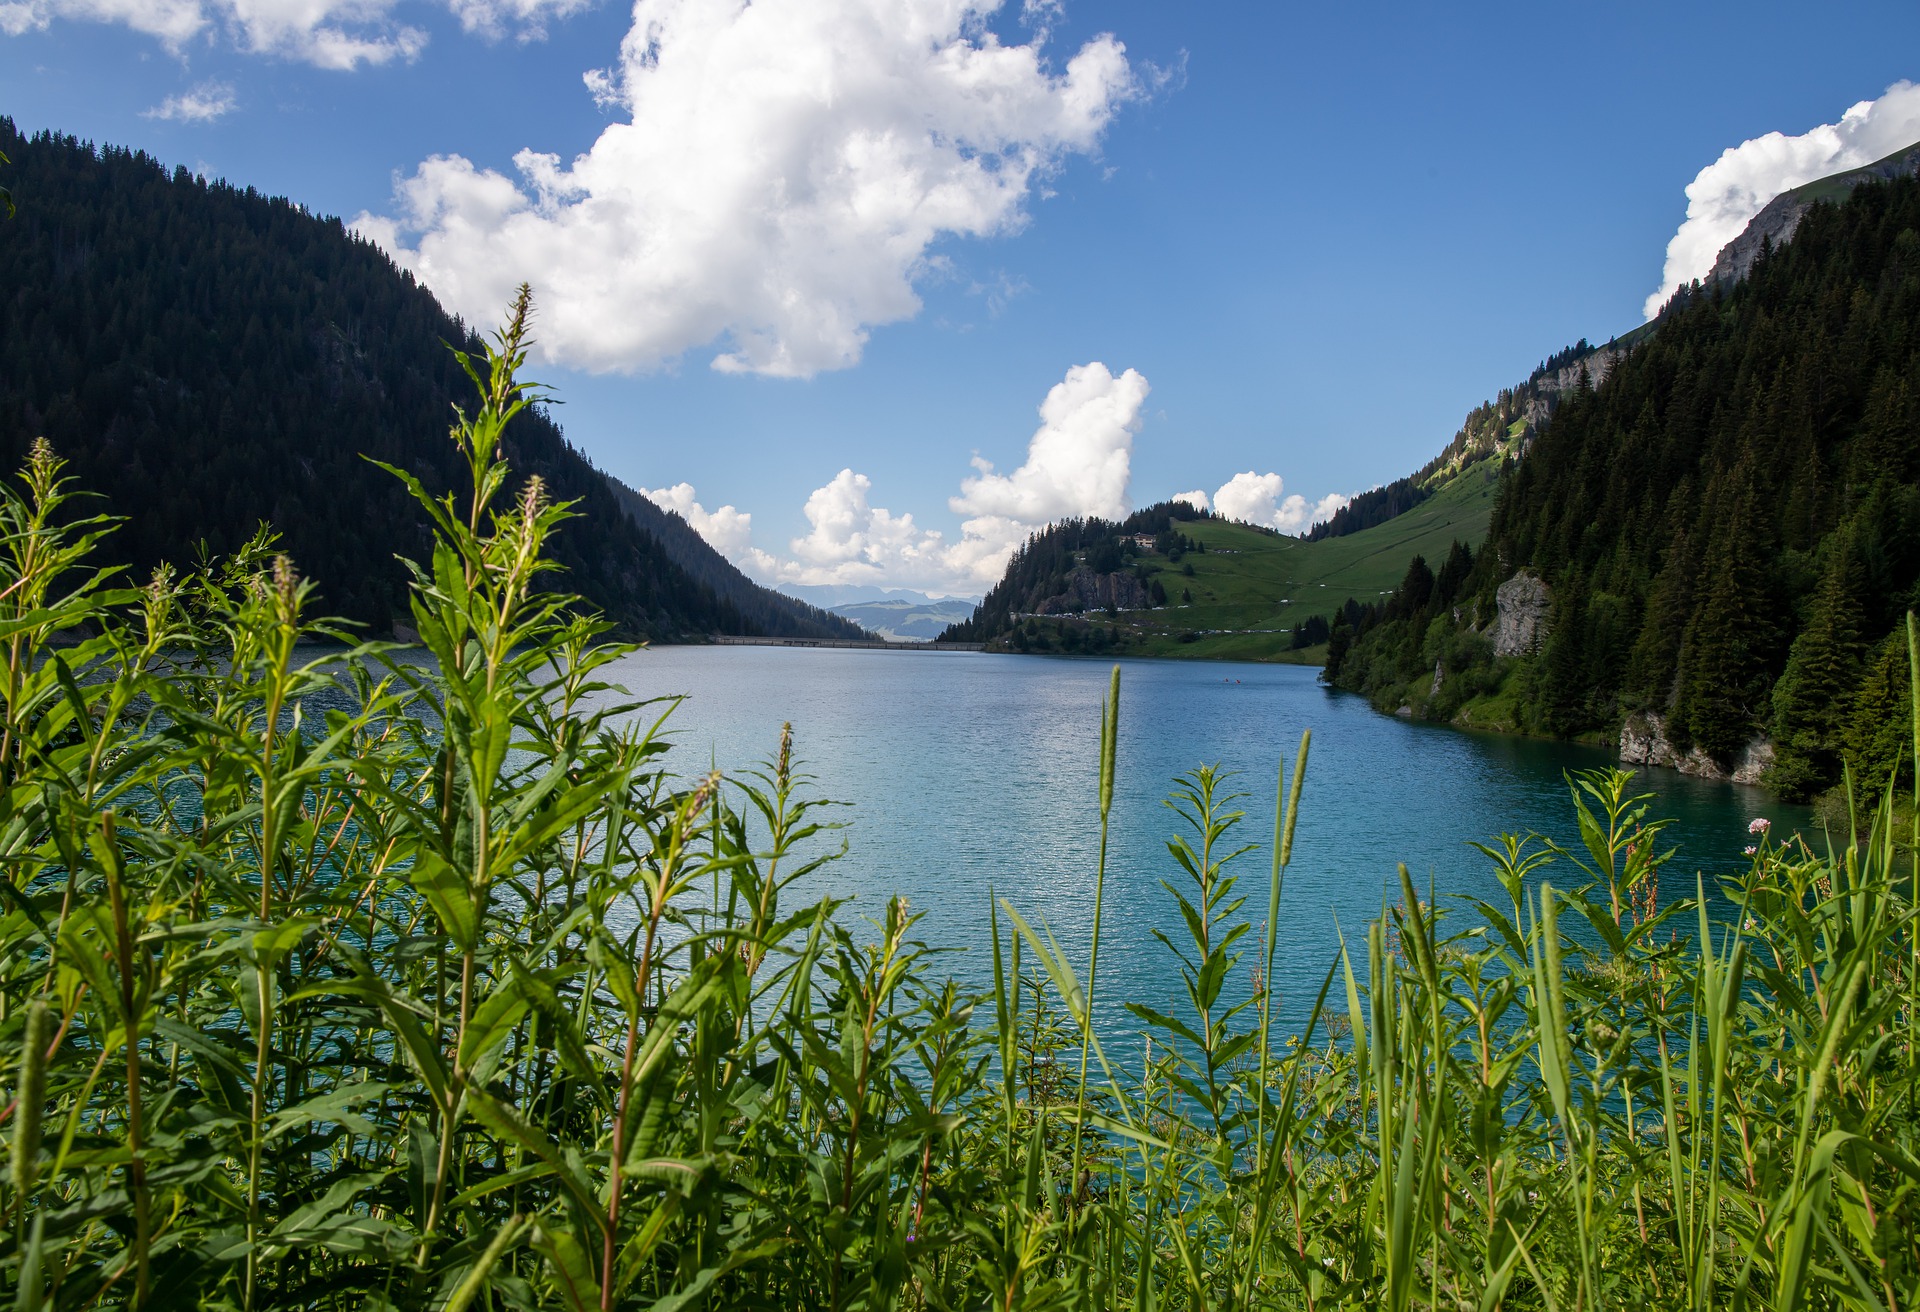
[1317, 235]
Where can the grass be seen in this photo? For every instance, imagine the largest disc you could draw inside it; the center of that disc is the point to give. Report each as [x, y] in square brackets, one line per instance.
[1251, 588]
[372, 983]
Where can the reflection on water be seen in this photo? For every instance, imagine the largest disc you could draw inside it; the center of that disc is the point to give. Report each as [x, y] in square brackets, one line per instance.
[972, 774]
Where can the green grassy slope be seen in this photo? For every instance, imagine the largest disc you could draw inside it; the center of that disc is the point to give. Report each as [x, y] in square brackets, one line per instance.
[1250, 588]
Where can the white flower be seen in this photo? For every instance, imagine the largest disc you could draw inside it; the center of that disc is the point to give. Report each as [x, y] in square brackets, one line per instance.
[1750, 850]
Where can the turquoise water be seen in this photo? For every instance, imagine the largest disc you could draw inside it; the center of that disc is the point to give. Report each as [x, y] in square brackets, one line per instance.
[970, 773]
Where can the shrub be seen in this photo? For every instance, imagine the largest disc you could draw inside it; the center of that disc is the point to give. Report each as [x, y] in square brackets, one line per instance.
[375, 980]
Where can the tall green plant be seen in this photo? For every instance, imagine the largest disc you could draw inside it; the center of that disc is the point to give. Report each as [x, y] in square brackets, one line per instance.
[364, 977]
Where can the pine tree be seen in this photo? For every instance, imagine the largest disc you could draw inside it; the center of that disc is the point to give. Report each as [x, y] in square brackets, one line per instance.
[1453, 574]
[1728, 652]
[1339, 643]
[1564, 691]
[1823, 670]
[1876, 742]
[1416, 588]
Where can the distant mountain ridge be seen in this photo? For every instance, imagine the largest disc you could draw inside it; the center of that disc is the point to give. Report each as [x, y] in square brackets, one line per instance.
[827, 596]
[901, 619]
[207, 357]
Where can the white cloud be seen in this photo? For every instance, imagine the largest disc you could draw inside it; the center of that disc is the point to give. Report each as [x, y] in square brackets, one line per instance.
[853, 541]
[1249, 496]
[782, 173]
[337, 34]
[1726, 194]
[1077, 465]
[727, 530]
[1258, 499]
[1078, 461]
[1296, 516]
[525, 18]
[203, 104]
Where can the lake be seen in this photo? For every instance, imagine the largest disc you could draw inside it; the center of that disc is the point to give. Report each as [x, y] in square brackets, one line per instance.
[972, 774]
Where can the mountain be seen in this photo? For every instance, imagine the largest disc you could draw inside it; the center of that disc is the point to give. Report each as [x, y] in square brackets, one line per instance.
[903, 619]
[1776, 222]
[829, 596]
[764, 611]
[1496, 430]
[206, 358]
[1708, 555]
[1185, 583]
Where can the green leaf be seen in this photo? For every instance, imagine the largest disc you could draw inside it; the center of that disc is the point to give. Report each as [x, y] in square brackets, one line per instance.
[492, 1021]
[475, 1279]
[571, 1272]
[448, 893]
[402, 1017]
[511, 1126]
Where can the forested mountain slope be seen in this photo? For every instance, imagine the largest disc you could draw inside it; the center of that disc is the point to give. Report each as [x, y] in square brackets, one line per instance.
[762, 611]
[1727, 528]
[1495, 430]
[208, 358]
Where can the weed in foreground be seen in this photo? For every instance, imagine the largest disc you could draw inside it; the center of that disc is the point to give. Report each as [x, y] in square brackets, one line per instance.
[367, 982]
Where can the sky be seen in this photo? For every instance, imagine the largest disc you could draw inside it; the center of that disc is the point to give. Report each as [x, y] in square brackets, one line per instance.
[871, 289]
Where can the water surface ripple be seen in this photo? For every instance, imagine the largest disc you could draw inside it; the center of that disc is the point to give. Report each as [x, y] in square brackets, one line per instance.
[971, 773]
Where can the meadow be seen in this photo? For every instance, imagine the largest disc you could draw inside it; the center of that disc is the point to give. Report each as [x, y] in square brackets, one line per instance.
[339, 980]
[1250, 588]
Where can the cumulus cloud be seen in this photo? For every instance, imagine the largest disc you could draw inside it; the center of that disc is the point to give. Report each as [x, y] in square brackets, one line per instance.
[1726, 194]
[337, 34]
[780, 177]
[1077, 464]
[1297, 516]
[203, 104]
[1262, 499]
[851, 540]
[727, 530]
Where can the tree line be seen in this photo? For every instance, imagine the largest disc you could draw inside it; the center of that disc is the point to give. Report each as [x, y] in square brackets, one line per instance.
[1040, 569]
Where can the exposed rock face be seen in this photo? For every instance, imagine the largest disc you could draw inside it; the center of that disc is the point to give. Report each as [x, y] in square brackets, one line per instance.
[1643, 741]
[1775, 223]
[1567, 377]
[1089, 591]
[1522, 624]
[1783, 213]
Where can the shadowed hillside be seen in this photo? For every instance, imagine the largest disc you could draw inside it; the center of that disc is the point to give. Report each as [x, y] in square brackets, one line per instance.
[207, 358]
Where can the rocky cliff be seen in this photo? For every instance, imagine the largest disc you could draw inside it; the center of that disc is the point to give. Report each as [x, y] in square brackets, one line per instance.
[1087, 591]
[1643, 741]
[1520, 629]
[1776, 223]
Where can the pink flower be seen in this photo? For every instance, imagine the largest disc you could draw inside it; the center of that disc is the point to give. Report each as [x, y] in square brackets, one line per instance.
[1759, 826]
[1751, 850]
